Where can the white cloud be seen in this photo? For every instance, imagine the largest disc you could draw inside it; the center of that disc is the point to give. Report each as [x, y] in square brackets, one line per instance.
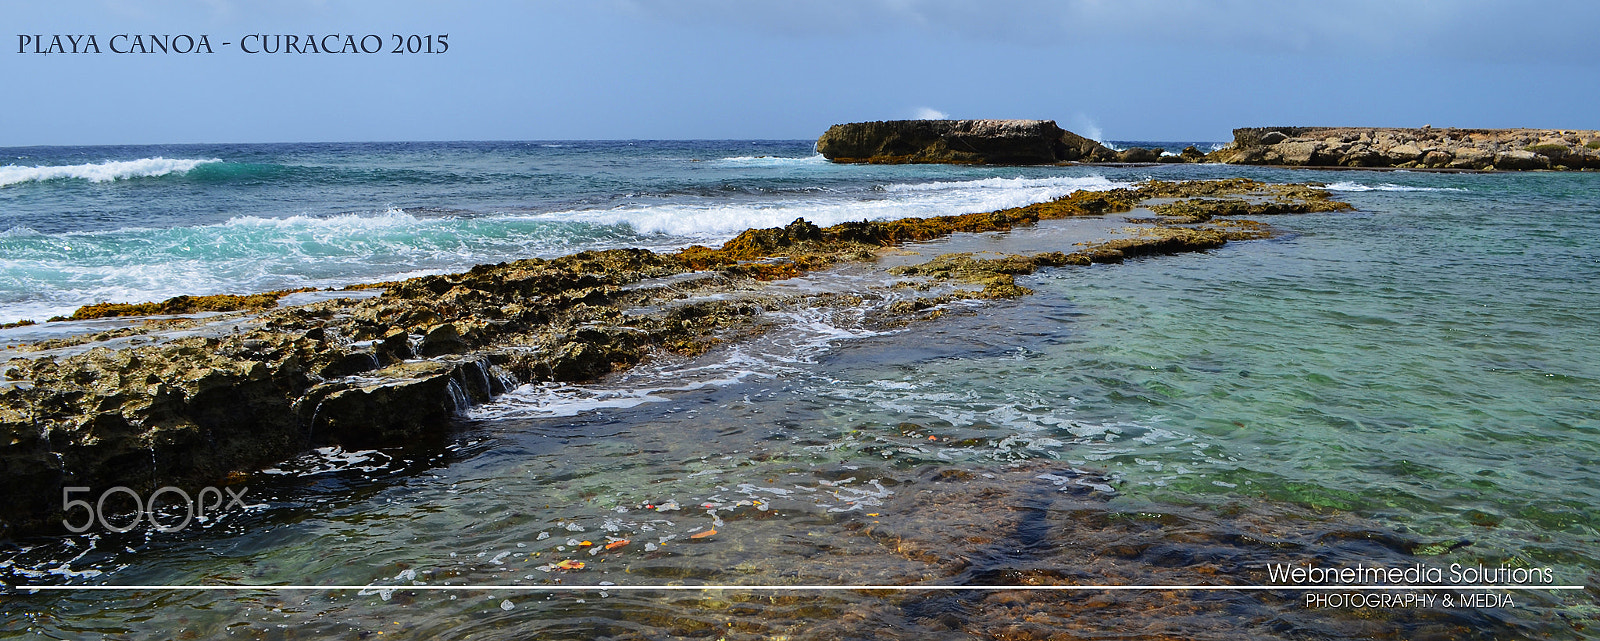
[929, 113]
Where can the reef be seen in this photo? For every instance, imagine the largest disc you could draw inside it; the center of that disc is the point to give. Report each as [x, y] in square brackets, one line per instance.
[1420, 148]
[191, 402]
[183, 305]
[1002, 142]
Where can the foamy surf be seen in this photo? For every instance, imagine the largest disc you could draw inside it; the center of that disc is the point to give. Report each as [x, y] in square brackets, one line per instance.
[1353, 186]
[806, 334]
[772, 161]
[45, 275]
[108, 171]
[899, 200]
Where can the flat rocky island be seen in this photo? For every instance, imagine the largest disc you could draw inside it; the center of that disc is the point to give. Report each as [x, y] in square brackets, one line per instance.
[1001, 142]
[1425, 147]
[1042, 142]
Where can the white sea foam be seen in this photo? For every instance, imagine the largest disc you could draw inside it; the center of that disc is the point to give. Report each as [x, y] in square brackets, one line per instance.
[901, 200]
[44, 275]
[1352, 186]
[808, 333]
[1067, 183]
[100, 172]
[772, 161]
[50, 274]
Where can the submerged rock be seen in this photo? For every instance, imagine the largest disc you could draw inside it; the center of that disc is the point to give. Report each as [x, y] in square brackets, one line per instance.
[1007, 142]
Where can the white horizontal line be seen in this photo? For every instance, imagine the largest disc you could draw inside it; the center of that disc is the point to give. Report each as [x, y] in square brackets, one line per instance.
[811, 588]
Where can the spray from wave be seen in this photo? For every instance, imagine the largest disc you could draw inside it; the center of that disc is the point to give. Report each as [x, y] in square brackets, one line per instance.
[1085, 126]
[100, 172]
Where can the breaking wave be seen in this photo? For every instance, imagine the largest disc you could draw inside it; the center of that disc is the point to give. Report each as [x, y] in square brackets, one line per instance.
[100, 172]
[1351, 186]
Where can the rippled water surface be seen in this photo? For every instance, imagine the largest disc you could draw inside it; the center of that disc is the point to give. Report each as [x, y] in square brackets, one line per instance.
[1412, 382]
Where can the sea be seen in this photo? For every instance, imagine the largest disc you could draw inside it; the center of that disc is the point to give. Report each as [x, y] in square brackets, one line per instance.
[1414, 384]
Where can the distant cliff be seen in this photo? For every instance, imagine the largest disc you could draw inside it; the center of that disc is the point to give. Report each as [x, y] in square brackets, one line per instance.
[1000, 142]
[1451, 148]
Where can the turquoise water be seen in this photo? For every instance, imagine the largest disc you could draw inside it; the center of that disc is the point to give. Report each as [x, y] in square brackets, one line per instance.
[1412, 382]
[80, 225]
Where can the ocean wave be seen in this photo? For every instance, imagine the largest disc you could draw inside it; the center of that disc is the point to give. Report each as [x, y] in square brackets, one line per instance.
[1074, 183]
[1351, 186]
[49, 274]
[772, 161]
[101, 172]
[44, 275]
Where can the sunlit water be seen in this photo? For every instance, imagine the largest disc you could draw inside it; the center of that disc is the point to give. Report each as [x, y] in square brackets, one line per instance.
[1414, 382]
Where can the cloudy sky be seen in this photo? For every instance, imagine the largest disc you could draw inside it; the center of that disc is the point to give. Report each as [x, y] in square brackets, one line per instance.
[527, 70]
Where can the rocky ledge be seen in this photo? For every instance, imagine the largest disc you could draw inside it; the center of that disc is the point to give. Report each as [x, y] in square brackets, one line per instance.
[191, 402]
[1426, 147]
[1000, 142]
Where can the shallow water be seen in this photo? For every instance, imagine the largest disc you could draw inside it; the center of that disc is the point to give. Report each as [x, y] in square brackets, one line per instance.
[1413, 382]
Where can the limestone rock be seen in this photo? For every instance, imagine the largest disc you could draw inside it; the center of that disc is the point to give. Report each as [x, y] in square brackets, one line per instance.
[1400, 154]
[1139, 154]
[444, 338]
[1436, 159]
[1297, 153]
[1402, 148]
[1520, 159]
[1016, 142]
[1471, 158]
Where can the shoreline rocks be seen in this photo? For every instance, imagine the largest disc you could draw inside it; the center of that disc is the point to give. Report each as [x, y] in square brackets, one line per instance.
[998, 142]
[1419, 148]
[205, 401]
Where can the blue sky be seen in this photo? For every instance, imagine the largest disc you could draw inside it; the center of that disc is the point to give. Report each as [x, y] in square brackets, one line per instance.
[1122, 70]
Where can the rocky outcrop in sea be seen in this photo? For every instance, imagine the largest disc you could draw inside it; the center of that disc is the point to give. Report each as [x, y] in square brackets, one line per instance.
[1425, 147]
[999, 142]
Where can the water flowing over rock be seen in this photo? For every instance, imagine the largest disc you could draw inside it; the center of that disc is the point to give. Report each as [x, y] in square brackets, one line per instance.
[190, 402]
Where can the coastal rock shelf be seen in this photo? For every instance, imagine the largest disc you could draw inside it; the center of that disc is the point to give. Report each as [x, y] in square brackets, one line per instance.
[1426, 147]
[190, 402]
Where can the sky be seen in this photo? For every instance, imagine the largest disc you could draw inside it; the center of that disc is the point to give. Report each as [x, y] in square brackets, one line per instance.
[1180, 70]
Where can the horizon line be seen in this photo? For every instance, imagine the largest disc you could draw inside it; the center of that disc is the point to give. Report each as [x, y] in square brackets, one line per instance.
[486, 140]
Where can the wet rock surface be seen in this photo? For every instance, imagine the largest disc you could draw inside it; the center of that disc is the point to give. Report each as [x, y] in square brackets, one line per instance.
[202, 401]
[1420, 148]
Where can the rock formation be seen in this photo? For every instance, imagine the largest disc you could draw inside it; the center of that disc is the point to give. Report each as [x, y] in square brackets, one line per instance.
[999, 142]
[1426, 147]
[196, 402]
